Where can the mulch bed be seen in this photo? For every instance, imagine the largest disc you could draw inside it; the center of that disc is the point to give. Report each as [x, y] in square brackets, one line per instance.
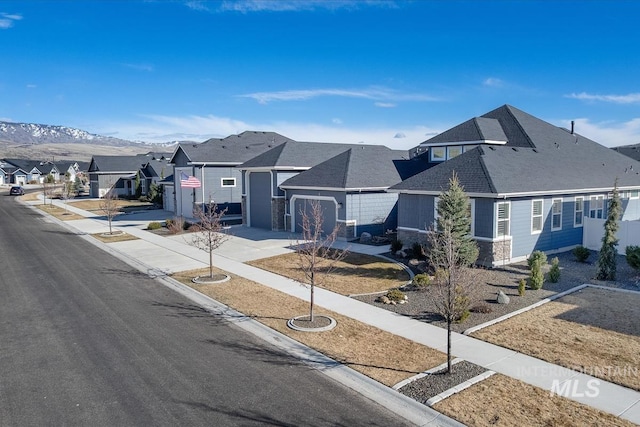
[490, 281]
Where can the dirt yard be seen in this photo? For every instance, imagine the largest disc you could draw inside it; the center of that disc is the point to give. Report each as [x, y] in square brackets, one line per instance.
[595, 331]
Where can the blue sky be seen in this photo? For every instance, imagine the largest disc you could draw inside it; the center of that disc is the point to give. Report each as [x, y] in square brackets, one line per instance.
[380, 72]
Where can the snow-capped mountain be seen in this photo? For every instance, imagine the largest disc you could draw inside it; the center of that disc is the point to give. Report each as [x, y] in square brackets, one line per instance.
[30, 133]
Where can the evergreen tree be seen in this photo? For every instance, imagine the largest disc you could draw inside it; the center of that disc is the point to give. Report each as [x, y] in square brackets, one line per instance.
[454, 215]
[608, 252]
[138, 185]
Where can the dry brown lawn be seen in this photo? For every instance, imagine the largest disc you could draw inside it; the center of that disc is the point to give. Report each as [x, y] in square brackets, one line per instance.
[31, 196]
[94, 205]
[116, 237]
[504, 401]
[60, 213]
[380, 355]
[594, 331]
[355, 274]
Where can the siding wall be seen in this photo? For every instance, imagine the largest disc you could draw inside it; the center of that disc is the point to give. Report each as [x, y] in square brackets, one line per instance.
[373, 213]
[415, 211]
[224, 197]
[259, 199]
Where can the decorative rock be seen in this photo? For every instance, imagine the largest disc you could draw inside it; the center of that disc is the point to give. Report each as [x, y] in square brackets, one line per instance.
[365, 237]
[503, 298]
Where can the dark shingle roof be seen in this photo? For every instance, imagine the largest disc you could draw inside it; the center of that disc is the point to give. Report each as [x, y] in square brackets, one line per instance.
[632, 151]
[539, 158]
[476, 129]
[234, 149]
[45, 167]
[129, 164]
[359, 167]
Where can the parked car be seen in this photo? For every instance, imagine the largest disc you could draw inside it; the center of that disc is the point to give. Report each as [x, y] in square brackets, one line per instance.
[16, 190]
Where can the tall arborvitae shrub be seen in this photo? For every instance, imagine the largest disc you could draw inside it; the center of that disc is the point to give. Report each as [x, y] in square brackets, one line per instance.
[608, 252]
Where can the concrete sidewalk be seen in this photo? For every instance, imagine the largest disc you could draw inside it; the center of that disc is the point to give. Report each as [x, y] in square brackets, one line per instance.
[166, 255]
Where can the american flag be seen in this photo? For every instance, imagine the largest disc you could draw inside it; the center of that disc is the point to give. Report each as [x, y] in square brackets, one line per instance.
[189, 181]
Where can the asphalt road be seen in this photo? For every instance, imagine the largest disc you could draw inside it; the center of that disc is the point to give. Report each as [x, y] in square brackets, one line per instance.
[87, 340]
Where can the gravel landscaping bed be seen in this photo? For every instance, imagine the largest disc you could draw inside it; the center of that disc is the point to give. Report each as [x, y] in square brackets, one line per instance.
[490, 281]
[427, 387]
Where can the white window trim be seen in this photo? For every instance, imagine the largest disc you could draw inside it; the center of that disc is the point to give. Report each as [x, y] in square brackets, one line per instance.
[223, 185]
[541, 215]
[593, 202]
[553, 201]
[508, 219]
[575, 211]
[444, 154]
[459, 147]
[631, 196]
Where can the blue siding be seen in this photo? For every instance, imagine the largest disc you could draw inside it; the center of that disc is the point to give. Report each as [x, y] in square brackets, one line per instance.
[229, 197]
[415, 211]
[260, 199]
[279, 178]
[373, 212]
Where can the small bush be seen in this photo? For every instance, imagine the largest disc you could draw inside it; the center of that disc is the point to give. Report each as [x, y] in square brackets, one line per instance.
[396, 295]
[421, 280]
[554, 272]
[154, 225]
[481, 308]
[396, 245]
[522, 285]
[537, 256]
[441, 275]
[463, 316]
[633, 256]
[418, 251]
[175, 225]
[581, 253]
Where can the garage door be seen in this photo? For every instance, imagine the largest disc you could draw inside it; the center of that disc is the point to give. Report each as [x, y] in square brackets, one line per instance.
[260, 200]
[328, 213]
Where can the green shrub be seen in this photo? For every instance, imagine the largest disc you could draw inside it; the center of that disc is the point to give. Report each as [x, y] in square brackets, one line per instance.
[154, 225]
[421, 280]
[461, 302]
[396, 245]
[522, 285]
[463, 316]
[418, 251]
[554, 272]
[396, 295]
[581, 253]
[633, 256]
[537, 256]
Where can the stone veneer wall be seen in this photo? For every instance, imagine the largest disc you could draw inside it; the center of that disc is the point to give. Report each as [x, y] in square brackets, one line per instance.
[278, 206]
[243, 207]
[490, 253]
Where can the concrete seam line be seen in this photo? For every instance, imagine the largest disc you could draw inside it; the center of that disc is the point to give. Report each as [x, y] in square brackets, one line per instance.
[425, 373]
[457, 389]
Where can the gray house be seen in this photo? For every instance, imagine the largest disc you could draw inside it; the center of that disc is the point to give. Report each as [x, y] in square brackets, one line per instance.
[213, 163]
[531, 184]
[351, 188]
[118, 173]
[35, 170]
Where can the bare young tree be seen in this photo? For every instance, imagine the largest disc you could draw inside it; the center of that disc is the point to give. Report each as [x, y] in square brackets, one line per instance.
[109, 205]
[209, 234]
[48, 185]
[68, 189]
[316, 258]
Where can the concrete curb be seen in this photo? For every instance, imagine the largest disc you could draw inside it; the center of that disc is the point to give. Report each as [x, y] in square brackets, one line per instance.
[457, 389]
[523, 310]
[386, 397]
[425, 373]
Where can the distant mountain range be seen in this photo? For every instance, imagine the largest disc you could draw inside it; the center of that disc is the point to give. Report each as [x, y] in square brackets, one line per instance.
[30, 133]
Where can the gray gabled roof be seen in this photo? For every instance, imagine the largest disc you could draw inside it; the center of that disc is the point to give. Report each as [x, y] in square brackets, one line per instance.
[120, 164]
[44, 167]
[302, 155]
[359, 167]
[632, 151]
[234, 149]
[476, 129]
[539, 158]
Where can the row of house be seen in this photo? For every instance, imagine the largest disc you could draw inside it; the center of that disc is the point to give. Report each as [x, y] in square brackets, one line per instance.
[24, 171]
[531, 183]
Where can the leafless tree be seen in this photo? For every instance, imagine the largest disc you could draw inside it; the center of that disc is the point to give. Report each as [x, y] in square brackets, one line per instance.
[453, 288]
[109, 205]
[209, 234]
[316, 258]
[48, 185]
[68, 189]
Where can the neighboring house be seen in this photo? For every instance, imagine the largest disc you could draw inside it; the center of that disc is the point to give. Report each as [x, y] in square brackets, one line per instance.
[632, 151]
[118, 173]
[73, 169]
[351, 188]
[531, 184]
[36, 171]
[213, 163]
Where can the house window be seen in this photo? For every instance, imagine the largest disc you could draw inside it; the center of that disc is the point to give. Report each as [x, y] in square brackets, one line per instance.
[578, 212]
[436, 200]
[634, 194]
[228, 182]
[536, 216]
[596, 207]
[503, 218]
[454, 151]
[438, 154]
[556, 214]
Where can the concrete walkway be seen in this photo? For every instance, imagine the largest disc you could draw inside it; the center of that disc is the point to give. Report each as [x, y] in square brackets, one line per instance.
[166, 255]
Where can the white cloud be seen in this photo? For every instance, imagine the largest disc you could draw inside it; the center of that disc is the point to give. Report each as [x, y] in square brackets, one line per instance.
[630, 98]
[160, 129]
[609, 134]
[7, 20]
[493, 82]
[140, 67]
[385, 104]
[247, 6]
[374, 93]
